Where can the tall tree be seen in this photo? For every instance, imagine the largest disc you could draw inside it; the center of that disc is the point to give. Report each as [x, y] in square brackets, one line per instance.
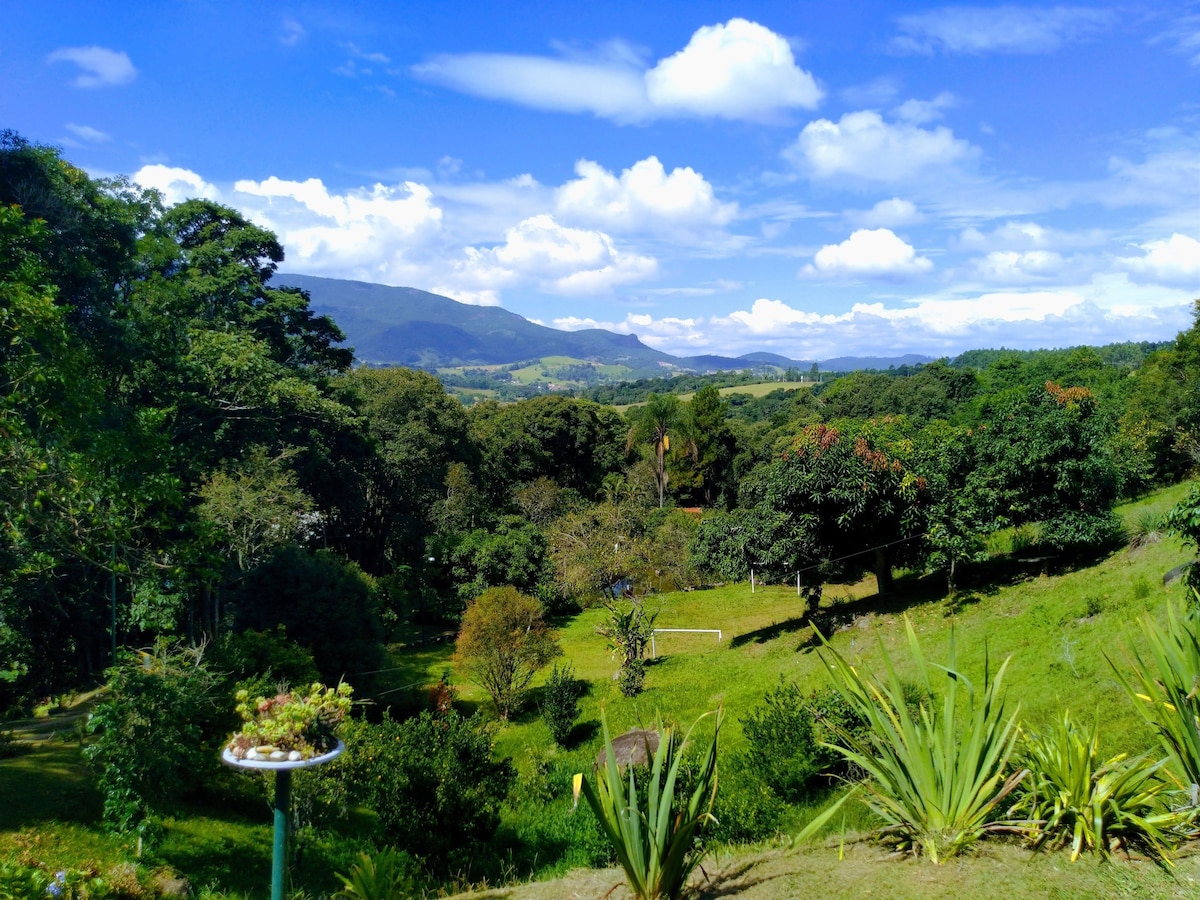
[652, 424]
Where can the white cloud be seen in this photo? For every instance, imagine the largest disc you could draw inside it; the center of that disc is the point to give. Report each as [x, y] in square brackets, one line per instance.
[999, 29]
[949, 325]
[364, 233]
[682, 336]
[88, 133]
[738, 70]
[862, 145]
[1011, 267]
[886, 214]
[921, 112]
[99, 66]
[1164, 178]
[1175, 260]
[608, 90]
[644, 197]
[868, 252]
[569, 261]
[175, 184]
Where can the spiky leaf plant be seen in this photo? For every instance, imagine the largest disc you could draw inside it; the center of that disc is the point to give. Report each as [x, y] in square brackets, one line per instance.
[1166, 689]
[656, 847]
[1072, 799]
[385, 876]
[935, 778]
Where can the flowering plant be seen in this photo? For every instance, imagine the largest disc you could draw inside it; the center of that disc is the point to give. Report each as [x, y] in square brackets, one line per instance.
[291, 725]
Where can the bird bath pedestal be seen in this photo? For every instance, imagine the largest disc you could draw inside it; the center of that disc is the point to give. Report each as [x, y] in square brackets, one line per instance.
[283, 802]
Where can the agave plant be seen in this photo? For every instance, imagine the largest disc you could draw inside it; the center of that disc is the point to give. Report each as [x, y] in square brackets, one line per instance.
[384, 876]
[1071, 798]
[1166, 689]
[936, 779]
[655, 846]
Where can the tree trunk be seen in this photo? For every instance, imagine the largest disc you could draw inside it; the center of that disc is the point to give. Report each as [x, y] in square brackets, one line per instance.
[883, 572]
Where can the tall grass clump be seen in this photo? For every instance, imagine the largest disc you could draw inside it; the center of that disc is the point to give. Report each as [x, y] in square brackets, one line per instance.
[935, 778]
[1165, 687]
[655, 844]
[1071, 798]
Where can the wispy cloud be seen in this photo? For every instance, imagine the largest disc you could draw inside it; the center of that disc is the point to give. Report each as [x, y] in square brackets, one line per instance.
[88, 133]
[291, 32]
[977, 30]
[735, 70]
[99, 66]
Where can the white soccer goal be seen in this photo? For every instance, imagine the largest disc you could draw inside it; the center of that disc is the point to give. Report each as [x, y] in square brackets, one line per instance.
[654, 648]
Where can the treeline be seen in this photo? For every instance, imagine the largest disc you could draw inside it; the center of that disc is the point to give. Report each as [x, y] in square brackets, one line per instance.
[189, 449]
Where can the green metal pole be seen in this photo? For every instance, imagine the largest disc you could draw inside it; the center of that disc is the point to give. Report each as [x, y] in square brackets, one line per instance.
[283, 802]
[112, 591]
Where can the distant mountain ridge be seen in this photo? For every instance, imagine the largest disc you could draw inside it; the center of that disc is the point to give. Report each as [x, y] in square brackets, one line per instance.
[405, 326]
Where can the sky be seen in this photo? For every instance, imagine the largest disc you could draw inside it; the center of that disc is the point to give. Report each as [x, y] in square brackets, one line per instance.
[813, 179]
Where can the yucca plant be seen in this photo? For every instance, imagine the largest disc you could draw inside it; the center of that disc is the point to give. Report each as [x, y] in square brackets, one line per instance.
[655, 846]
[936, 779]
[384, 876]
[1166, 690]
[1071, 798]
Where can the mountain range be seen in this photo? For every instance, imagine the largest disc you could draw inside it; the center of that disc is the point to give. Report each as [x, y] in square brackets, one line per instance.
[404, 326]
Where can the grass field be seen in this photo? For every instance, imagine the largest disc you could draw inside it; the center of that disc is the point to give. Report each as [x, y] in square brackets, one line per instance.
[1060, 627]
[760, 389]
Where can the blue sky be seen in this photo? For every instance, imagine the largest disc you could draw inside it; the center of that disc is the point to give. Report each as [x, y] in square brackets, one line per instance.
[813, 179]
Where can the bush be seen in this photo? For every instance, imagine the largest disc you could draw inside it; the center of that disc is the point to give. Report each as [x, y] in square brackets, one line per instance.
[632, 677]
[156, 736]
[782, 746]
[657, 850]
[326, 605]
[1076, 532]
[261, 662]
[560, 703]
[504, 641]
[431, 780]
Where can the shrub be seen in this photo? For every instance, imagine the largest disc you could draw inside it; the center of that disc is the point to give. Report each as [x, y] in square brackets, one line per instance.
[782, 746]
[431, 780]
[263, 662]
[934, 779]
[1076, 531]
[156, 736]
[560, 703]
[791, 737]
[631, 677]
[326, 605]
[503, 642]
[1072, 798]
[656, 849]
[629, 629]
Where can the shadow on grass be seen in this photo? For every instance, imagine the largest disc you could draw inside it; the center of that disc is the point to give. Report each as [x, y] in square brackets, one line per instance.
[582, 733]
[47, 782]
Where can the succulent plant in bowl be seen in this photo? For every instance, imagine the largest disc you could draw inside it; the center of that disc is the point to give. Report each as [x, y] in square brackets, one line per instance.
[292, 725]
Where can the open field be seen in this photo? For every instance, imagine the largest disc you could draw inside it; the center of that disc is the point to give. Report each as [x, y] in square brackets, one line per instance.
[759, 389]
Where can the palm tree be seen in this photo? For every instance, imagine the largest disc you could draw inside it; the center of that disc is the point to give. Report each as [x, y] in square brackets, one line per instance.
[661, 413]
